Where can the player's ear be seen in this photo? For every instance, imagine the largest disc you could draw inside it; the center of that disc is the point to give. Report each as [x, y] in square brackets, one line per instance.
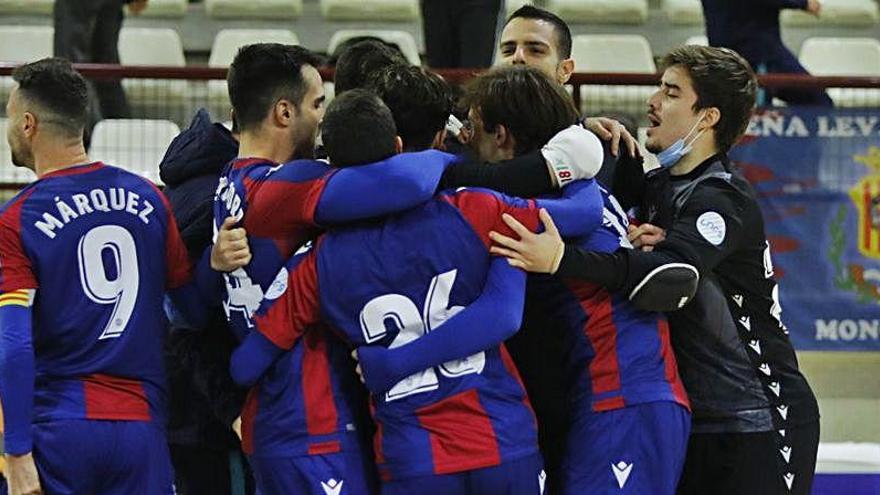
[398, 145]
[712, 117]
[29, 122]
[439, 142]
[283, 113]
[564, 70]
[502, 136]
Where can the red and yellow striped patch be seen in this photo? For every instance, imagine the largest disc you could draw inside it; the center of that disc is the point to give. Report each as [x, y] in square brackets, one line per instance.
[19, 297]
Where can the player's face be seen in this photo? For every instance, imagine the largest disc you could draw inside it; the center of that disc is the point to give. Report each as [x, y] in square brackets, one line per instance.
[533, 42]
[671, 110]
[22, 156]
[309, 114]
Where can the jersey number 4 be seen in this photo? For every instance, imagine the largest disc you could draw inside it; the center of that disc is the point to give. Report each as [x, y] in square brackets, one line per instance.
[402, 313]
[116, 245]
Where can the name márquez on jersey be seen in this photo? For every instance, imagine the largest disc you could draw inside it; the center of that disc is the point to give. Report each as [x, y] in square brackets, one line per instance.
[95, 201]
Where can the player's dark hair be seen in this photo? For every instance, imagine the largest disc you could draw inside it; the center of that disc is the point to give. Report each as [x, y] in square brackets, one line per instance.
[420, 101]
[59, 92]
[563, 33]
[722, 79]
[525, 101]
[264, 73]
[359, 60]
[358, 128]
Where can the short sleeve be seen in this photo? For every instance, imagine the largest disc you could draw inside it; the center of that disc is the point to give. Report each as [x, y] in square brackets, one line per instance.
[291, 303]
[483, 210]
[16, 271]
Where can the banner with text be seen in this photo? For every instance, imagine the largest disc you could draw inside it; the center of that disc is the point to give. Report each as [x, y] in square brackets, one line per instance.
[817, 175]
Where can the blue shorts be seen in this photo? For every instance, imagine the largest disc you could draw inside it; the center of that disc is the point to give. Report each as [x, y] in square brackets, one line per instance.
[635, 450]
[523, 476]
[347, 472]
[107, 457]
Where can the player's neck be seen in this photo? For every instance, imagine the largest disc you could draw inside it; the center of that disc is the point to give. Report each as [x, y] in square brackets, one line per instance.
[265, 146]
[59, 156]
[701, 151]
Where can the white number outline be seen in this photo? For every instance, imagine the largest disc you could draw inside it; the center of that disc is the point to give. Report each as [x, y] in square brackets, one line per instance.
[411, 325]
[122, 292]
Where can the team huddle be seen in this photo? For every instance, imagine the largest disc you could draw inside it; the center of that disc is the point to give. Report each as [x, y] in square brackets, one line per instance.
[432, 308]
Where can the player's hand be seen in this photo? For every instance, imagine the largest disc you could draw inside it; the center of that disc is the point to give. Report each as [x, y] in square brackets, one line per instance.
[21, 473]
[538, 253]
[357, 368]
[231, 251]
[382, 375]
[137, 6]
[236, 427]
[814, 7]
[645, 236]
[611, 130]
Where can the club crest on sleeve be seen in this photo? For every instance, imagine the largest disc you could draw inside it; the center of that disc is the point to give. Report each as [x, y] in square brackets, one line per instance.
[279, 285]
[711, 226]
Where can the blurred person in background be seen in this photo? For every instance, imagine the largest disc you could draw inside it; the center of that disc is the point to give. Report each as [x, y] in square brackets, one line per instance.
[204, 402]
[87, 31]
[751, 27]
[460, 33]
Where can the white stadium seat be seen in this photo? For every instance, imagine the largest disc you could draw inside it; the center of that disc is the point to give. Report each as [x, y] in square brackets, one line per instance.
[22, 44]
[632, 54]
[512, 5]
[137, 145]
[684, 12]
[697, 40]
[164, 8]
[835, 13]
[9, 173]
[844, 57]
[152, 46]
[402, 39]
[254, 9]
[225, 47]
[370, 10]
[228, 41]
[18, 7]
[601, 11]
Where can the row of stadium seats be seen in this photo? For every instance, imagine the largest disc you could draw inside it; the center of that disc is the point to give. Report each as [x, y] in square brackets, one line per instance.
[680, 12]
[633, 54]
[137, 145]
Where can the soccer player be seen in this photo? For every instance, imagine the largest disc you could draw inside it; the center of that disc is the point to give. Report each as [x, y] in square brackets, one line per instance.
[87, 253]
[276, 95]
[541, 39]
[626, 412]
[463, 427]
[752, 408]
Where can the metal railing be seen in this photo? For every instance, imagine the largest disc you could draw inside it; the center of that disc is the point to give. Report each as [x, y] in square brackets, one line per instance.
[164, 99]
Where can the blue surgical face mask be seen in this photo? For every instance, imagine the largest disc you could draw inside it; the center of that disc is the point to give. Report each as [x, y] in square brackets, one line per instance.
[671, 155]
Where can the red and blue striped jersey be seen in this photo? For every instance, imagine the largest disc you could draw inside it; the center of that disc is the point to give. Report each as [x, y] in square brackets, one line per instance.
[101, 247]
[301, 406]
[420, 268]
[615, 355]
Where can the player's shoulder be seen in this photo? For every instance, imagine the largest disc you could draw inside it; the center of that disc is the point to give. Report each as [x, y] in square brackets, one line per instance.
[298, 171]
[19, 198]
[472, 195]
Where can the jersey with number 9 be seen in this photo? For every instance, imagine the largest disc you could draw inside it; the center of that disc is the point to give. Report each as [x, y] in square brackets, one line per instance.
[100, 246]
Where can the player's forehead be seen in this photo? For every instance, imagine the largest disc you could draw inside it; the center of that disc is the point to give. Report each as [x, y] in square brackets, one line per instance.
[677, 78]
[313, 81]
[520, 31]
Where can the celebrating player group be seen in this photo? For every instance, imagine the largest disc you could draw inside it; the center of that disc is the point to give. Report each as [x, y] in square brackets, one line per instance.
[508, 306]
